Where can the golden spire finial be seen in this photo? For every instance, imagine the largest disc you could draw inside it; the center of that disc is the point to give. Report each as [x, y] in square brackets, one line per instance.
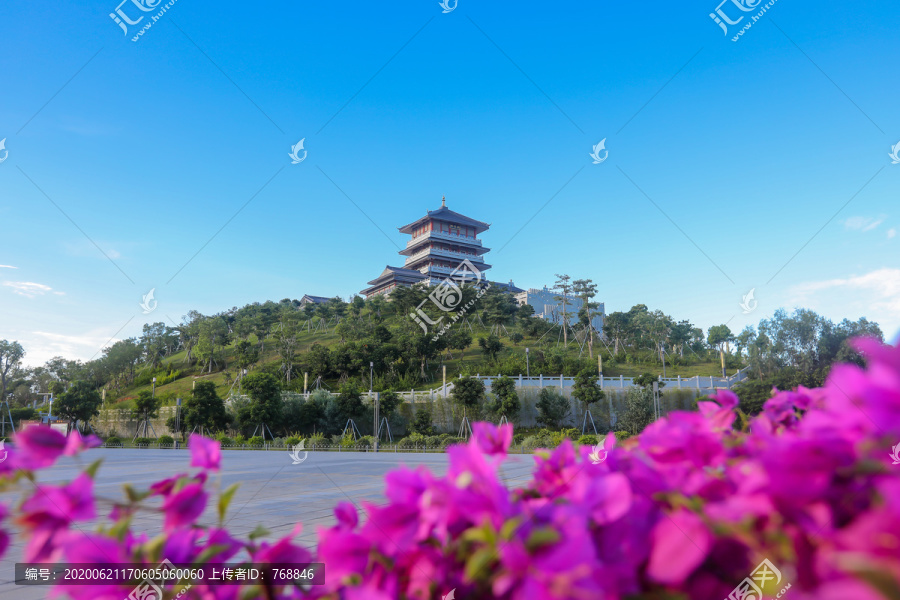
[443, 201]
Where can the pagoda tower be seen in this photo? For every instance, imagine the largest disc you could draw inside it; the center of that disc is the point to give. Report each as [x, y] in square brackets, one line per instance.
[440, 242]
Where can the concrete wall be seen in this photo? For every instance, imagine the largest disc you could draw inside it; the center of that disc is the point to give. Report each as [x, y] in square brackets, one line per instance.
[121, 424]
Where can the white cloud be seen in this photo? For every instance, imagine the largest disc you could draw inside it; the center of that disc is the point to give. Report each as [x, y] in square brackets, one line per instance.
[46, 345]
[863, 223]
[29, 289]
[875, 295]
[8, 267]
[891, 233]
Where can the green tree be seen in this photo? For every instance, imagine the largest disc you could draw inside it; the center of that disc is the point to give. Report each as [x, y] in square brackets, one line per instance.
[265, 398]
[349, 402]
[586, 289]
[423, 422]
[646, 381]
[718, 337]
[388, 402]
[587, 389]
[506, 400]
[553, 408]
[80, 402]
[563, 286]
[638, 412]
[204, 408]
[11, 354]
[146, 406]
[516, 337]
[491, 346]
[468, 392]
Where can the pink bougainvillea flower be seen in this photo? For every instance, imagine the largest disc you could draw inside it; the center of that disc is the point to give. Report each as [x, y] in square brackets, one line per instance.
[183, 507]
[205, 453]
[38, 447]
[491, 439]
[346, 515]
[60, 505]
[165, 487]
[721, 412]
[76, 444]
[284, 551]
[4, 537]
[680, 543]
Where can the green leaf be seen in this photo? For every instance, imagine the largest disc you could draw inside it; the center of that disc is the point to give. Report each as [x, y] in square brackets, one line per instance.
[543, 536]
[133, 495]
[259, 532]
[92, 468]
[478, 563]
[208, 553]
[225, 499]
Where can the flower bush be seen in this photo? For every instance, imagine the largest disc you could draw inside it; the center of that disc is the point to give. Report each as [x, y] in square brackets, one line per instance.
[686, 509]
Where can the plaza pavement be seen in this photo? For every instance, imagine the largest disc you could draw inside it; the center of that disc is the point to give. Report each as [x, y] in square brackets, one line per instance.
[273, 492]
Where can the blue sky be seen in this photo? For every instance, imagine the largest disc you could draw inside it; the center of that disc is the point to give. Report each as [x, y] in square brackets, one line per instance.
[163, 163]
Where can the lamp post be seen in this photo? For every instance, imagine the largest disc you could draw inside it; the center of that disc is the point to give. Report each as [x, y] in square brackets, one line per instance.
[527, 364]
[153, 389]
[178, 418]
[371, 371]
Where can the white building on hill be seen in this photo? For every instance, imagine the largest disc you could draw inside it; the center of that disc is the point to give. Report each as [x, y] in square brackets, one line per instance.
[546, 307]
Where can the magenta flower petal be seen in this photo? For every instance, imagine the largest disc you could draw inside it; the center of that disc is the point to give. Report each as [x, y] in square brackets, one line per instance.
[680, 543]
[491, 439]
[38, 447]
[346, 515]
[75, 443]
[183, 507]
[205, 453]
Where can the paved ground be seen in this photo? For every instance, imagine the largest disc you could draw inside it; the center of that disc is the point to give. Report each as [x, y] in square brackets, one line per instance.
[273, 492]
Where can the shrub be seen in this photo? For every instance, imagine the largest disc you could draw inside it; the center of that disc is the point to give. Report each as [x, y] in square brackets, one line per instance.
[622, 436]
[318, 440]
[166, 441]
[240, 439]
[143, 441]
[451, 441]
[113, 441]
[518, 439]
[292, 441]
[256, 440]
[433, 441]
[411, 441]
[226, 441]
[588, 440]
[366, 441]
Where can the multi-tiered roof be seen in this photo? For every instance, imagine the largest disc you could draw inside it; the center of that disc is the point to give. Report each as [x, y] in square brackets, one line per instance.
[441, 241]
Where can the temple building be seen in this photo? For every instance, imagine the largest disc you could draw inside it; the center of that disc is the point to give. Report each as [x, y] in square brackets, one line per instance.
[442, 243]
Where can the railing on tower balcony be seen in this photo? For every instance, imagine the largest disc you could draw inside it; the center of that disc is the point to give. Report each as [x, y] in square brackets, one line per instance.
[436, 235]
[441, 252]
